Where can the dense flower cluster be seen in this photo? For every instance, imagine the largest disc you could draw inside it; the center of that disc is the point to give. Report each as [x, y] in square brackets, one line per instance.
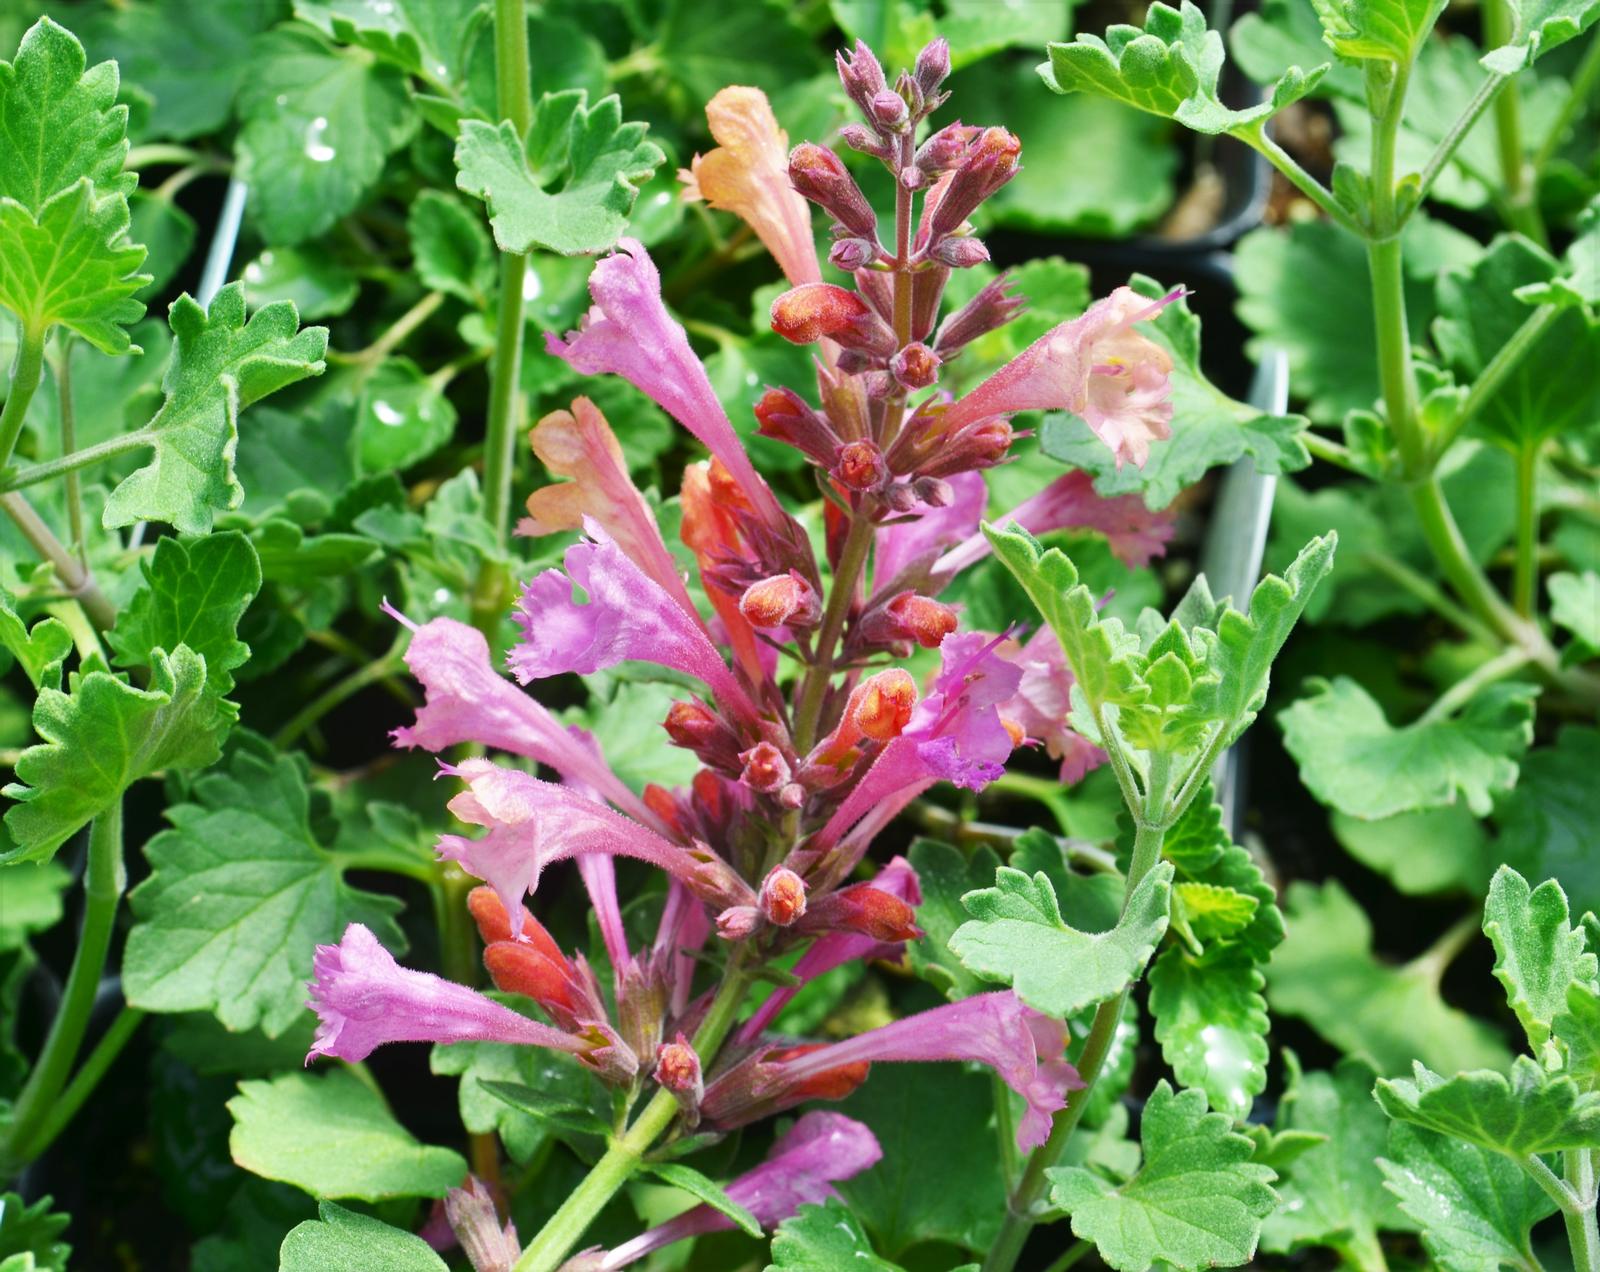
[798, 773]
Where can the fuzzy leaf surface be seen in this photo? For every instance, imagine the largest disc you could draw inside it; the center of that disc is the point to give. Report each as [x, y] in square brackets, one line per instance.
[39, 650]
[823, 1239]
[1378, 30]
[1541, 25]
[341, 1240]
[1538, 953]
[1211, 1022]
[1532, 1111]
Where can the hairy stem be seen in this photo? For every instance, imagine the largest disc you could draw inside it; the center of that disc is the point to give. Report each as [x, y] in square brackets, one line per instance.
[1299, 178]
[566, 1227]
[103, 884]
[76, 580]
[1464, 690]
[69, 443]
[69, 463]
[1506, 360]
[1521, 197]
[26, 373]
[1582, 1236]
[1489, 91]
[814, 684]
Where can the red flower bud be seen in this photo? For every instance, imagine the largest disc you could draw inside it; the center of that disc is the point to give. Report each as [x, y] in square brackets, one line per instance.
[945, 148]
[783, 897]
[494, 925]
[885, 704]
[737, 922]
[516, 968]
[860, 466]
[820, 175]
[805, 314]
[851, 254]
[934, 491]
[678, 1070]
[991, 161]
[765, 769]
[989, 309]
[692, 725]
[864, 909]
[861, 138]
[831, 1084]
[861, 74]
[784, 600]
[908, 617]
[916, 366]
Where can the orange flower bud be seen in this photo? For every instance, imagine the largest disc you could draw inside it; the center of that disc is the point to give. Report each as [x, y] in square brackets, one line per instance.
[782, 600]
[885, 705]
[783, 897]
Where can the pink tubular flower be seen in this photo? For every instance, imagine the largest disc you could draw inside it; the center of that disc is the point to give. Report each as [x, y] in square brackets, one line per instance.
[532, 823]
[630, 333]
[1135, 533]
[906, 543]
[468, 701]
[835, 949]
[1096, 366]
[627, 617]
[818, 1150]
[580, 444]
[1024, 1048]
[1044, 702]
[363, 999]
[748, 175]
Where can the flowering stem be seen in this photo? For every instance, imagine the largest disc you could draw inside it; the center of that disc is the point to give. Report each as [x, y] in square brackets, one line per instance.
[814, 684]
[566, 1227]
[104, 881]
[26, 372]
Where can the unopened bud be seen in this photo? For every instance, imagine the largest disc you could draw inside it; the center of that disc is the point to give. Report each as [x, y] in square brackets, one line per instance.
[934, 491]
[737, 922]
[851, 254]
[783, 897]
[866, 910]
[820, 175]
[900, 497]
[885, 704]
[933, 66]
[960, 251]
[784, 600]
[678, 1070]
[521, 969]
[765, 768]
[860, 466]
[945, 148]
[830, 1084]
[889, 110]
[990, 162]
[805, 314]
[861, 138]
[489, 1246]
[909, 617]
[991, 308]
[861, 74]
[692, 725]
[916, 366]
[792, 796]
[785, 416]
[912, 177]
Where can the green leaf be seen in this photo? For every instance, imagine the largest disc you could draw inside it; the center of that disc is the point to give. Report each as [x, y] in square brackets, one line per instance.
[824, 1238]
[423, 37]
[72, 265]
[1579, 283]
[946, 876]
[1171, 69]
[1435, 850]
[1541, 25]
[297, 465]
[40, 649]
[940, 1177]
[1575, 605]
[752, 43]
[343, 1241]
[1088, 900]
[403, 417]
[1016, 936]
[317, 284]
[1197, 1201]
[1209, 428]
[1474, 1208]
[1538, 954]
[703, 1189]
[1378, 30]
[167, 231]
[563, 1091]
[318, 124]
[32, 1229]
[450, 249]
[290, 558]
[220, 365]
[194, 593]
[1553, 389]
[332, 1135]
[1532, 1112]
[1547, 822]
[1333, 1193]
[240, 893]
[61, 122]
[101, 737]
[1211, 1022]
[592, 160]
[30, 901]
[1577, 1028]
[1326, 973]
[560, 1113]
[1236, 870]
[1354, 760]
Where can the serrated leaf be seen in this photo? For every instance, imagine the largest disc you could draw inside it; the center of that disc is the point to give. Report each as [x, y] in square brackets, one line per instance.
[30, 901]
[1211, 1022]
[1378, 30]
[1170, 69]
[72, 265]
[39, 650]
[556, 1078]
[1090, 901]
[1578, 285]
[102, 736]
[1541, 25]
[707, 1190]
[1197, 840]
[332, 1135]
[1577, 1028]
[61, 122]
[31, 1229]
[1531, 1112]
[344, 1241]
[946, 875]
[1210, 911]
[450, 249]
[1352, 759]
[1209, 428]
[194, 593]
[1333, 1193]
[220, 364]
[571, 187]
[1197, 1201]
[1475, 1208]
[824, 1238]
[1326, 973]
[424, 37]
[240, 893]
[1575, 605]
[1016, 936]
[318, 123]
[1103, 656]
[1538, 954]
[291, 558]
[1237, 870]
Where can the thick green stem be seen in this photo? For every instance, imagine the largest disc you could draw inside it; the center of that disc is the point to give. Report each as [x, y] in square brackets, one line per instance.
[1582, 1234]
[814, 685]
[1396, 375]
[83, 1083]
[104, 881]
[26, 373]
[69, 463]
[1525, 572]
[1454, 559]
[566, 1227]
[69, 443]
[1521, 197]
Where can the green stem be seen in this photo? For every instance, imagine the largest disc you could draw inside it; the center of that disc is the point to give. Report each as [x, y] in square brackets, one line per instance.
[1582, 1235]
[1298, 177]
[1005, 1130]
[1069, 1256]
[1504, 664]
[1558, 1190]
[1331, 452]
[26, 373]
[1525, 571]
[75, 578]
[1520, 195]
[1506, 360]
[1430, 594]
[397, 333]
[336, 693]
[69, 443]
[68, 464]
[1455, 561]
[1489, 91]
[1396, 375]
[104, 880]
[1579, 93]
[814, 684]
[83, 1082]
[159, 155]
[566, 1227]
